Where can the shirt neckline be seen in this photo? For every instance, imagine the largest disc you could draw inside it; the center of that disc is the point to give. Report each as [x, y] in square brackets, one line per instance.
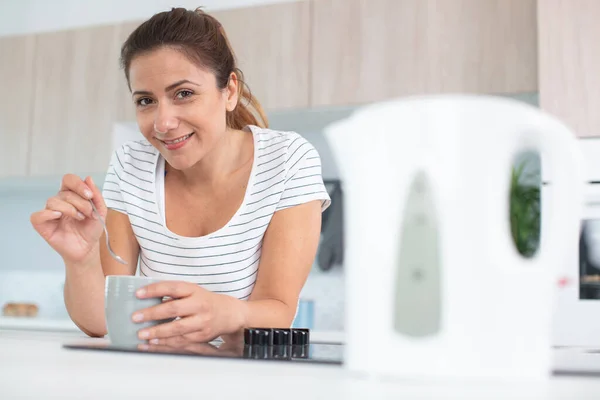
[160, 163]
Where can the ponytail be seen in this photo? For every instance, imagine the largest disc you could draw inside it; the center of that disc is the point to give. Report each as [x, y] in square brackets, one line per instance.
[248, 110]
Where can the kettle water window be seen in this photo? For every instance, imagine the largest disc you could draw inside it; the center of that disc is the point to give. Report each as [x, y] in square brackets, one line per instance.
[417, 303]
[525, 211]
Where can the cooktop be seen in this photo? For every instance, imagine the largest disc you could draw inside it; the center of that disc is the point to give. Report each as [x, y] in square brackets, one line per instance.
[295, 345]
[287, 345]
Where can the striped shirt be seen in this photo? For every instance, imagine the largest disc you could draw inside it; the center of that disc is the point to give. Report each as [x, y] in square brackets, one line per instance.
[286, 172]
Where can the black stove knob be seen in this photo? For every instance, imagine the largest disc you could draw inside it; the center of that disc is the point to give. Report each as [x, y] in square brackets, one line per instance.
[300, 337]
[258, 337]
[282, 337]
[247, 336]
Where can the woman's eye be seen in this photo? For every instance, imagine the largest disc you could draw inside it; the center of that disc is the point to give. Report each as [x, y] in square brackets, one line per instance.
[183, 94]
[144, 101]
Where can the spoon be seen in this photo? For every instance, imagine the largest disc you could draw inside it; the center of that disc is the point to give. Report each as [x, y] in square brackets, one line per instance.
[112, 253]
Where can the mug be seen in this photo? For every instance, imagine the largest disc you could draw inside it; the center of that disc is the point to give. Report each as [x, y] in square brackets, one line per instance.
[120, 304]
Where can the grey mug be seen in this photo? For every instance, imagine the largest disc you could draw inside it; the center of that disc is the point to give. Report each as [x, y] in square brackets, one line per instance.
[120, 304]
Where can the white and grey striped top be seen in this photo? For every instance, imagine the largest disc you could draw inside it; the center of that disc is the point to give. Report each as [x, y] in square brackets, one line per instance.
[286, 172]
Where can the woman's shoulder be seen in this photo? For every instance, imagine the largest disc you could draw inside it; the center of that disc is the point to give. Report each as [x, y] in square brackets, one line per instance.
[136, 155]
[290, 166]
[133, 147]
[288, 145]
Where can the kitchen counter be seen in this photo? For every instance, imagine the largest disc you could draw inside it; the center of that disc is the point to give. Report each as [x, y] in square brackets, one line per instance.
[38, 324]
[34, 365]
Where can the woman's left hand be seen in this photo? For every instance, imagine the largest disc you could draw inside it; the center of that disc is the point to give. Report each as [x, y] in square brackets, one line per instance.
[203, 315]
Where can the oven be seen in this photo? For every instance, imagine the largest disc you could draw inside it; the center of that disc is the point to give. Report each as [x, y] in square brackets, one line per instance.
[577, 307]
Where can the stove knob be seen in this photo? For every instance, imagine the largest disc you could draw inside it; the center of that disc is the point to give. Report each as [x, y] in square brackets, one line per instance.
[281, 337]
[258, 337]
[248, 336]
[300, 337]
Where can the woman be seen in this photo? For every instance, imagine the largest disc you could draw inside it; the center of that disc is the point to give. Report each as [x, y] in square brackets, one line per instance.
[224, 210]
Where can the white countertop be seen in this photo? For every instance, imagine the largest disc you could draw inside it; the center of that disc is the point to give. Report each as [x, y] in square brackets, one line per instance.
[34, 365]
[38, 324]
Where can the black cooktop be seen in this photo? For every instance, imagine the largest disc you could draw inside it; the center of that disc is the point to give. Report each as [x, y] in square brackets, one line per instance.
[286, 345]
[292, 345]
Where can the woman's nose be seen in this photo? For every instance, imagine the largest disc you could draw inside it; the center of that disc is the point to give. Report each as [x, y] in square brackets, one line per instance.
[165, 120]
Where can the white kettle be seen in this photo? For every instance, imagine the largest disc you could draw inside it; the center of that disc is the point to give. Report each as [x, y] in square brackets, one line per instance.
[434, 283]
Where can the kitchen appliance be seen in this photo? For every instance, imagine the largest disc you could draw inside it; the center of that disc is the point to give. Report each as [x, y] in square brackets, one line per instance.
[576, 321]
[434, 283]
[264, 344]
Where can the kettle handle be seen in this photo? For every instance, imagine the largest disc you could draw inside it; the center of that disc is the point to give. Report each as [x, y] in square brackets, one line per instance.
[555, 142]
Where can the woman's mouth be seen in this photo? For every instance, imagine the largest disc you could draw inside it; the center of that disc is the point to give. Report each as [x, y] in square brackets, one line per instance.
[176, 143]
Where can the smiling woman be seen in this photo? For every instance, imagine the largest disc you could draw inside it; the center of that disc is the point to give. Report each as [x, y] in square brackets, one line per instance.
[226, 211]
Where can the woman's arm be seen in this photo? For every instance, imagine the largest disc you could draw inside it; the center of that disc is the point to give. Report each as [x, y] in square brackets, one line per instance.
[84, 282]
[289, 248]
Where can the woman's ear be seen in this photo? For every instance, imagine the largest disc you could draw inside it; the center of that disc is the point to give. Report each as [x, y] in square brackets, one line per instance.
[232, 92]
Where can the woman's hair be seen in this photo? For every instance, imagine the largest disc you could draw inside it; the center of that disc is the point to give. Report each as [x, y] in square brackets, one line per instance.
[202, 39]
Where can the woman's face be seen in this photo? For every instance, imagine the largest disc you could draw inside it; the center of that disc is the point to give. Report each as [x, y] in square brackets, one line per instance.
[179, 108]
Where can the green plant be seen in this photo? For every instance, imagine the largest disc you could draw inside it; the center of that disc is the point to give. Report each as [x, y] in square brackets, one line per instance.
[524, 213]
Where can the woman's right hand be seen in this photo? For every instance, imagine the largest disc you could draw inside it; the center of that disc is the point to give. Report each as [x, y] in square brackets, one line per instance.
[68, 222]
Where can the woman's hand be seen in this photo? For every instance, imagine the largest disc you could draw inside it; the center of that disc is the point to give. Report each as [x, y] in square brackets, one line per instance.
[202, 315]
[68, 223]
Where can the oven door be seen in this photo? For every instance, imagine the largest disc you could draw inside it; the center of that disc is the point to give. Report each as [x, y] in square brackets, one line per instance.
[577, 317]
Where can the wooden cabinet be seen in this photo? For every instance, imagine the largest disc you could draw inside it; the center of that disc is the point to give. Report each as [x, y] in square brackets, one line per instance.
[124, 106]
[16, 73]
[65, 90]
[569, 62]
[73, 110]
[272, 45]
[365, 51]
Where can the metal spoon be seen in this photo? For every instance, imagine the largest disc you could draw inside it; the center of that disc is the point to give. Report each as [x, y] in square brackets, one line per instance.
[116, 257]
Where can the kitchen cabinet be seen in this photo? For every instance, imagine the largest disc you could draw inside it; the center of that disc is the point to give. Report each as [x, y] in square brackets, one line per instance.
[70, 90]
[569, 62]
[72, 112]
[272, 45]
[364, 51]
[124, 106]
[16, 72]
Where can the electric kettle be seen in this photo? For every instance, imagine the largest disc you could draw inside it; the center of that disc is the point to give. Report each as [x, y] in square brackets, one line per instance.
[434, 283]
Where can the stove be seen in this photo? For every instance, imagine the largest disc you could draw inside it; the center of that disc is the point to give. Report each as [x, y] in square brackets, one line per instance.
[264, 344]
[294, 345]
